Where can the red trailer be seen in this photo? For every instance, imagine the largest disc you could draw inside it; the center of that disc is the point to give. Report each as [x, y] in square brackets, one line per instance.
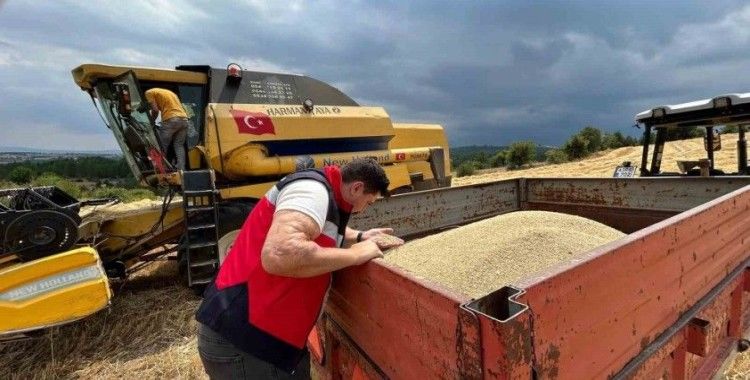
[667, 300]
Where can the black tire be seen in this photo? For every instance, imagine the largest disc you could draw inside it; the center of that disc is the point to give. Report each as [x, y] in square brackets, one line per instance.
[231, 217]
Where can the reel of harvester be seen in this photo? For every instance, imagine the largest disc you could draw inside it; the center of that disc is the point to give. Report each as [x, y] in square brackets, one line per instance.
[37, 222]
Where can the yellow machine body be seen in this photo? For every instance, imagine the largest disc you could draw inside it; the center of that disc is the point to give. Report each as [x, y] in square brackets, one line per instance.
[52, 290]
[248, 162]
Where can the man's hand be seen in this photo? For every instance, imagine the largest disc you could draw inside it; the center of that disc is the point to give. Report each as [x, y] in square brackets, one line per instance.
[382, 237]
[365, 251]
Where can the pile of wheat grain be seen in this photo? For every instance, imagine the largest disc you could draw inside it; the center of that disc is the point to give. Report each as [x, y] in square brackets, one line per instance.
[481, 257]
[602, 164]
[739, 368]
[147, 333]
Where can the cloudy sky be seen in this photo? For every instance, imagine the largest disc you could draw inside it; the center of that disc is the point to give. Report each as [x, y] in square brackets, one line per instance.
[491, 72]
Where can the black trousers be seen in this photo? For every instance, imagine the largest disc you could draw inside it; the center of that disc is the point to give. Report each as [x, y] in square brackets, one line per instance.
[221, 360]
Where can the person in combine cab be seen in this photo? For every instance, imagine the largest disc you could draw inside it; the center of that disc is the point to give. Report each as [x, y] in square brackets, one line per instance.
[256, 315]
[174, 121]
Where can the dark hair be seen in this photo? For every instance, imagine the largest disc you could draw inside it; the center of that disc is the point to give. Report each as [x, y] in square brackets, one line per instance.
[369, 172]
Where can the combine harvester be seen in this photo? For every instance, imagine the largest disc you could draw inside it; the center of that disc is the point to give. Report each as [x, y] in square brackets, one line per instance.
[666, 300]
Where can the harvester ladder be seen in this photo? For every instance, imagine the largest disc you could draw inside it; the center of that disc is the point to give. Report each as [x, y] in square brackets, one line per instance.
[201, 236]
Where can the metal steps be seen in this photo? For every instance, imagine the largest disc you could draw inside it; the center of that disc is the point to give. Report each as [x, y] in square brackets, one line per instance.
[201, 221]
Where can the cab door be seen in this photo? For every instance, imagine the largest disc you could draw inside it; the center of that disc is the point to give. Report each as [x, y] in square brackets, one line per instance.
[126, 110]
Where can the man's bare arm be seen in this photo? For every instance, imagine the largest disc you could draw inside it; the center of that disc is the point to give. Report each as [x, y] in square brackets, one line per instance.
[290, 249]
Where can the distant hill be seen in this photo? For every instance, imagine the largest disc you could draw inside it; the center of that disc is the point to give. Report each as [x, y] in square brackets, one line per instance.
[20, 149]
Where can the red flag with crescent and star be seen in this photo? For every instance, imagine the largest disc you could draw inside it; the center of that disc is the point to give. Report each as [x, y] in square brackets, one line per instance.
[254, 123]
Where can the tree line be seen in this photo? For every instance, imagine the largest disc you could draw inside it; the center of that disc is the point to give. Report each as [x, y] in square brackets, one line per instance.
[81, 177]
[522, 153]
[93, 168]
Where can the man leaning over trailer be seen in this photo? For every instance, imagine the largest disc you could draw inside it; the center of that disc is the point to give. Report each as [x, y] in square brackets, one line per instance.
[256, 316]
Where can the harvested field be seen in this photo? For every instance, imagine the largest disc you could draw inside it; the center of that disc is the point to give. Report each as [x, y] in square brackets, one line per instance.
[603, 164]
[147, 333]
[481, 257]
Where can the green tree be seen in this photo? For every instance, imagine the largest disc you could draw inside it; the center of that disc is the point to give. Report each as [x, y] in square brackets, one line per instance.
[576, 147]
[51, 179]
[499, 159]
[21, 175]
[520, 153]
[482, 160]
[594, 137]
[466, 168]
[556, 156]
[631, 141]
[613, 140]
[730, 129]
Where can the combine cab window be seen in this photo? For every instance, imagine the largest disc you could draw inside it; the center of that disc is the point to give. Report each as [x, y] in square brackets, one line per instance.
[191, 97]
[132, 129]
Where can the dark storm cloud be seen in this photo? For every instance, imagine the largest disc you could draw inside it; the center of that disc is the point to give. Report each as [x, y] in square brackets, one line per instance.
[490, 72]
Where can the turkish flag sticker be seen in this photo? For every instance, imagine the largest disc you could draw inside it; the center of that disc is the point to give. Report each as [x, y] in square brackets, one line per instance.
[400, 156]
[254, 123]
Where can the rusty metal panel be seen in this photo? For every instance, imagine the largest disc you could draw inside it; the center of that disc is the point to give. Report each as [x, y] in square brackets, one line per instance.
[718, 315]
[616, 299]
[430, 211]
[662, 194]
[670, 358]
[505, 333]
[407, 327]
[349, 362]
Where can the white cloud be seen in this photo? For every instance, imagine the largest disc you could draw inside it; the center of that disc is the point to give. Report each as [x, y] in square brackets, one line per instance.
[711, 39]
[161, 17]
[57, 137]
[135, 57]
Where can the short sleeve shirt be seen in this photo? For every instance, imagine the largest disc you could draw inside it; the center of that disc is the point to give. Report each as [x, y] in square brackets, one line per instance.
[167, 102]
[307, 196]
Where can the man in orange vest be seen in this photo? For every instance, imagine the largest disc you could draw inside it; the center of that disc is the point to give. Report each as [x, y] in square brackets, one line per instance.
[174, 121]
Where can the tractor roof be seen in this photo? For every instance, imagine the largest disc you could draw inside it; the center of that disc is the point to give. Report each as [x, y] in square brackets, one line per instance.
[722, 109]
